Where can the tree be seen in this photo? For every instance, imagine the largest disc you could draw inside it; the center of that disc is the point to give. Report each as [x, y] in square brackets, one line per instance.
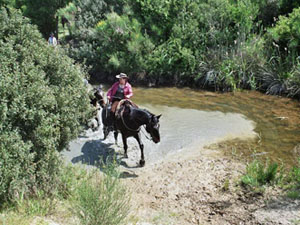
[43, 14]
[43, 102]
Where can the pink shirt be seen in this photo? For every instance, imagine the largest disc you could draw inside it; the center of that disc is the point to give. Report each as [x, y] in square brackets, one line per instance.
[127, 90]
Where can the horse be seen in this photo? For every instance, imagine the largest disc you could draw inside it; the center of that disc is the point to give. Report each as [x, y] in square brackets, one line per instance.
[128, 122]
[98, 97]
[107, 121]
[97, 100]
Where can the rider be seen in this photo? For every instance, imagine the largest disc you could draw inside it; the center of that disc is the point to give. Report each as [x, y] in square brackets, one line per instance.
[119, 90]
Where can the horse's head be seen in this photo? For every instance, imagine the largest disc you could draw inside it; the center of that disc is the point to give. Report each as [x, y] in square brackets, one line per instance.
[99, 95]
[152, 127]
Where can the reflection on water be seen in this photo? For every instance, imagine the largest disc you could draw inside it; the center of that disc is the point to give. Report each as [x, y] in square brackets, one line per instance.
[277, 119]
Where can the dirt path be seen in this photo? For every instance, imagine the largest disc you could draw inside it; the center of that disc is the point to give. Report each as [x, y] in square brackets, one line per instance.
[202, 189]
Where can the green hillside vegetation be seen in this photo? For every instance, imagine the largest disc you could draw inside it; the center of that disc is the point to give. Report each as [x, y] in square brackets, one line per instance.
[221, 45]
[43, 104]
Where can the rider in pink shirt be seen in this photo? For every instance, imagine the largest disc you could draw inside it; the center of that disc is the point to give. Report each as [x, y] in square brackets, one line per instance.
[119, 90]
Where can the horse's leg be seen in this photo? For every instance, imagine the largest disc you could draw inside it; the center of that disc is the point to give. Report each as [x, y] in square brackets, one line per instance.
[98, 118]
[124, 138]
[105, 132]
[116, 137]
[138, 138]
[105, 121]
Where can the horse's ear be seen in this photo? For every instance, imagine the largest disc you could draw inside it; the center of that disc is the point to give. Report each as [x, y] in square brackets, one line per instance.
[158, 116]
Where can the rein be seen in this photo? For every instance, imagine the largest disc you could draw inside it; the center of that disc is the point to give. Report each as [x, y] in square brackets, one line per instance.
[122, 118]
[146, 134]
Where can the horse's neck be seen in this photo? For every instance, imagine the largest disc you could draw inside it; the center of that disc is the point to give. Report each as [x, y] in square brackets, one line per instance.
[140, 116]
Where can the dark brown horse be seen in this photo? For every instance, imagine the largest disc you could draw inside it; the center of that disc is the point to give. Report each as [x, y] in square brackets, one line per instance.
[97, 100]
[98, 97]
[128, 122]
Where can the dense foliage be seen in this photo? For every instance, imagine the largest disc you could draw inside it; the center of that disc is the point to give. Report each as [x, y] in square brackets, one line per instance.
[43, 102]
[43, 14]
[219, 44]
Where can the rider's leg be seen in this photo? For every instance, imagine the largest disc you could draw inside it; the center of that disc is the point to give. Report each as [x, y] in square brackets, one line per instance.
[113, 111]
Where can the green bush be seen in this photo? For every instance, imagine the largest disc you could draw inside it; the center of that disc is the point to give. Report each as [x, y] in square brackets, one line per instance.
[122, 46]
[286, 32]
[104, 201]
[280, 76]
[294, 82]
[43, 104]
[43, 13]
[287, 6]
[216, 44]
[259, 174]
[293, 177]
[160, 39]
[85, 46]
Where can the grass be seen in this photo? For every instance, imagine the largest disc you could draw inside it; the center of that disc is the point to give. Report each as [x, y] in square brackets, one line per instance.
[293, 194]
[258, 175]
[83, 197]
[105, 202]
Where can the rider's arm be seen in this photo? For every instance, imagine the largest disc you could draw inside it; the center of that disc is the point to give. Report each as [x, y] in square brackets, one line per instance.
[129, 92]
[111, 90]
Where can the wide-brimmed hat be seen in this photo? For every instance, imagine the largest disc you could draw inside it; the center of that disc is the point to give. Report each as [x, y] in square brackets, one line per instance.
[122, 75]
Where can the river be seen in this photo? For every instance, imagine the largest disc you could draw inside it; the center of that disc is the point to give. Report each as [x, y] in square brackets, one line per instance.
[245, 123]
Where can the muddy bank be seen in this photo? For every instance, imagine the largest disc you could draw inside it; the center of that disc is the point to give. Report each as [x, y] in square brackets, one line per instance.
[203, 189]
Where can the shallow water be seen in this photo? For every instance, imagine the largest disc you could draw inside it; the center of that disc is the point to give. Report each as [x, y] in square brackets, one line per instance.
[205, 115]
[186, 129]
[247, 123]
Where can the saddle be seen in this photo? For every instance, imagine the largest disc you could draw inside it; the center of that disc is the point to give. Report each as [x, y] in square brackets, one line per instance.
[120, 109]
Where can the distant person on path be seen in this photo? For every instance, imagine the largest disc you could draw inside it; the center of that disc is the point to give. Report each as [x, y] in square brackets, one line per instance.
[52, 40]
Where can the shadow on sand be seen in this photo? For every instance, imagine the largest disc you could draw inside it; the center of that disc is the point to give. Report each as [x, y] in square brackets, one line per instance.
[94, 152]
[98, 154]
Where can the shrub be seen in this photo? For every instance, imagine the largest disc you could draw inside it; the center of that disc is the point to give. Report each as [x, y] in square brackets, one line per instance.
[294, 82]
[43, 14]
[259, 174]
[280, 76]
[122, 46]
[293, 177]
[103, 201]
[43, 104]
[85, 46]
[286, 33]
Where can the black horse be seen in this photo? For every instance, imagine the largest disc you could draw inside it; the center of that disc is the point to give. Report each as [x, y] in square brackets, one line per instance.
[128, 122]
[96, 100]
[98, 97]
[107, 121]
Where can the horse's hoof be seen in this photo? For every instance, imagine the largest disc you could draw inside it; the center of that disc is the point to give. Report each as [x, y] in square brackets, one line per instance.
[142, 162]
[125, 156]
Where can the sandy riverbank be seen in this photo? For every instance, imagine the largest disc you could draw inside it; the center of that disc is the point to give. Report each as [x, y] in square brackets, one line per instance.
[202, 188]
